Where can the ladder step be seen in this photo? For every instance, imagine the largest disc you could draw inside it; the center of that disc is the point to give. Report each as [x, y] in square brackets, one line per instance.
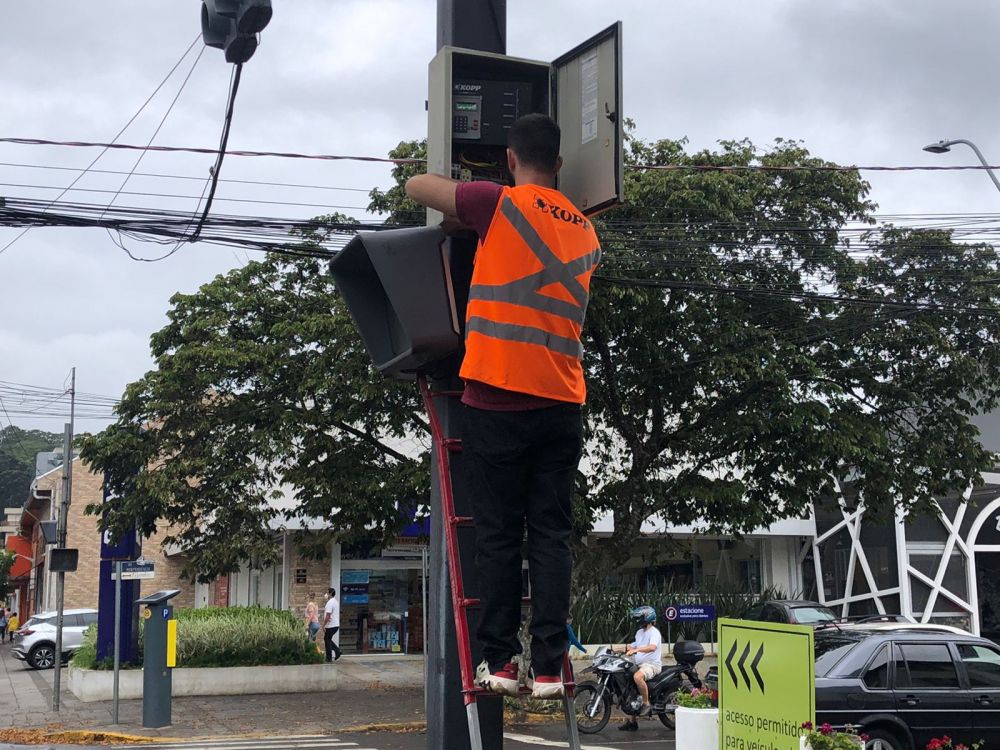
[479, 692]
[461, 521]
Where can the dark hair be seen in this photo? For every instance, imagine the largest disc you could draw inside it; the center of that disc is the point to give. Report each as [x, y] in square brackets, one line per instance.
[534, 139]
[332, 591]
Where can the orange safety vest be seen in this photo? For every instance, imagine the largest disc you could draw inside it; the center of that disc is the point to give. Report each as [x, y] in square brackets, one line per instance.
[529, 294]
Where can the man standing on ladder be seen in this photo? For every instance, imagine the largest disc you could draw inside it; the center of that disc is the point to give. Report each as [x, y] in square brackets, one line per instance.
[524, 386]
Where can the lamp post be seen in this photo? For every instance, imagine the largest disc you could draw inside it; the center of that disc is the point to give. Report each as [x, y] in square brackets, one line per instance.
[942, 147]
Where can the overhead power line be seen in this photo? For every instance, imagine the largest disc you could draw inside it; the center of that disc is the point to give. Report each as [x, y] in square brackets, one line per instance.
[390, 160]
[117, 136]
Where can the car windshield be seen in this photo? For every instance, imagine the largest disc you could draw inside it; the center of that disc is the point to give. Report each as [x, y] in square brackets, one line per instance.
[810, 615]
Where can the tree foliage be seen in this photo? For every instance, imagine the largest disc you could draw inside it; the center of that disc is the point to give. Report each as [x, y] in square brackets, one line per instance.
[18, 449]
[739, 364]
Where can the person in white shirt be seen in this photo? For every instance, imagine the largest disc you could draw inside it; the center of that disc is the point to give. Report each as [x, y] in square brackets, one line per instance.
[646, 648]
[331, 624]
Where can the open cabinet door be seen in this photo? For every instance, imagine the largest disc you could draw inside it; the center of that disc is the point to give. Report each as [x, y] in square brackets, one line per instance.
[587, 97]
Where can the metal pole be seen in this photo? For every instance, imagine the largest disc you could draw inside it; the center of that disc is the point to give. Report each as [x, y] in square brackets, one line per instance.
[473, 24]
[480, 25]
[118, 636]
[67, 494]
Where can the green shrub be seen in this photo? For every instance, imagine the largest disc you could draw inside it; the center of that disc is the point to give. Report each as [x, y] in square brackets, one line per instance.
[226, 637]
[600, 615]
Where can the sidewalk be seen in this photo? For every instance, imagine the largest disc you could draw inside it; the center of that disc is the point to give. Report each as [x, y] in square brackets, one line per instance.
[26, 701]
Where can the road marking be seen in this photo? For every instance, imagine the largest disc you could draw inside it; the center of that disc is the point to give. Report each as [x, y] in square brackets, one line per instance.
[296, 742]
[529, 740]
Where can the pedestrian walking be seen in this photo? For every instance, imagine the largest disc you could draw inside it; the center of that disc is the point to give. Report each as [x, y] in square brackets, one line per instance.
[522, 429]
[4, 621]
[312, 617]
[13, 623]
[331, 624]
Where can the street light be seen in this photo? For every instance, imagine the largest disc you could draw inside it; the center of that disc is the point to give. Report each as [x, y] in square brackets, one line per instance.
[942, 147]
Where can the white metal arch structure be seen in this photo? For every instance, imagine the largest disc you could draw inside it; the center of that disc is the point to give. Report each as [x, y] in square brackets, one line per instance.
[852, 524]
[988, 511]
[950, 543]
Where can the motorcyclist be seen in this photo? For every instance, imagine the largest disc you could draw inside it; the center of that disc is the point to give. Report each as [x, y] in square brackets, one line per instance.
[646, 648]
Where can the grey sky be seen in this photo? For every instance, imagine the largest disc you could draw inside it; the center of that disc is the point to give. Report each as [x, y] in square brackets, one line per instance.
[858, 82]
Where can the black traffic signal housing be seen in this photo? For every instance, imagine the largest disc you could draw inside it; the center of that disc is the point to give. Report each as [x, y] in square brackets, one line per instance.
[233, 25]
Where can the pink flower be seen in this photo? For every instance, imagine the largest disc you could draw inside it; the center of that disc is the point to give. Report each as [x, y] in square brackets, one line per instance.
[864, 738]
[826, 729]
[807, 725]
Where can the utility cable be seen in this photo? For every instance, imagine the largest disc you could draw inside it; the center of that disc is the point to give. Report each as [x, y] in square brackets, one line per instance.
[6, 247]
[637, 167]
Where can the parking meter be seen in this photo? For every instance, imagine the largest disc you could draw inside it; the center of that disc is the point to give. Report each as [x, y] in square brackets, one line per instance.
[159, 656]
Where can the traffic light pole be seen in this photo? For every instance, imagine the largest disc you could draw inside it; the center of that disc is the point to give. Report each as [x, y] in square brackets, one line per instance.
[473, 24]
[481, 25]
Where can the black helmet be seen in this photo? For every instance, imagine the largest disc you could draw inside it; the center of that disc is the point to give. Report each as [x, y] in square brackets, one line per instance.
[643, 615]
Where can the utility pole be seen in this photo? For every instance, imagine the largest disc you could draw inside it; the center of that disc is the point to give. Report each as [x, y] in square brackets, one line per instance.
[480, 25]
[67, 495]
[473, 24]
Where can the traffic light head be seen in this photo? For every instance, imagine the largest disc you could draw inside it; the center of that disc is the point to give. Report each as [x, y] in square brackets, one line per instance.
[232, 26]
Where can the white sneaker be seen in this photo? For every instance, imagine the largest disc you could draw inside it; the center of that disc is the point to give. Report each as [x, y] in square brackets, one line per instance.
[546, 688]
[503, 681]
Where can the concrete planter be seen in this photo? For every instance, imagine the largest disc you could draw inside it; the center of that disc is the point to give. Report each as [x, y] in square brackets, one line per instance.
[697, 727]
[347, 674]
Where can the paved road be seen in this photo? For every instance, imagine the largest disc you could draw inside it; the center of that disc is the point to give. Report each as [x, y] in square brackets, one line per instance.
[309, 721]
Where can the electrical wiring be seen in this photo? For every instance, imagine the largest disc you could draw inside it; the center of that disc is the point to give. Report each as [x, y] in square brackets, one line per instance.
[118, 135]
[160, 175]
[636, 167]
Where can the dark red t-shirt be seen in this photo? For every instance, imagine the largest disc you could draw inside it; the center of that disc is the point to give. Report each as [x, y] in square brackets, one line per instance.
[475, 204]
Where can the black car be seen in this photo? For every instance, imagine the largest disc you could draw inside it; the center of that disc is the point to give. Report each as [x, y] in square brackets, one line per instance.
[791, 612]
[905, 687]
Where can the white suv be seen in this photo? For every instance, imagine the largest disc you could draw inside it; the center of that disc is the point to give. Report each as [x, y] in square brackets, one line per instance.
[36, 639]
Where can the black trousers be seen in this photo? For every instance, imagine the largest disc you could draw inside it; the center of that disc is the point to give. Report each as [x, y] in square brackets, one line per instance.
[520, 469]
[331, 646]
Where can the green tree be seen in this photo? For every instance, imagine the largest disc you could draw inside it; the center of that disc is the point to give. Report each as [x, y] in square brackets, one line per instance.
[6, 563]
[738, 359]
[18, 449]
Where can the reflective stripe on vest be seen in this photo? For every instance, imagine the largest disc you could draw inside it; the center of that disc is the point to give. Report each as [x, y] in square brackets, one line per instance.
[526, 291]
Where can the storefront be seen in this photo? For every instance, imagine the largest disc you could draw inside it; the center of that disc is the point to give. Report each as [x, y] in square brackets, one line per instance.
[383, 601]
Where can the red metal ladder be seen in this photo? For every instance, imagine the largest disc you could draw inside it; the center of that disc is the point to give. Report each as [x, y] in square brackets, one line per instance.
[444, 447]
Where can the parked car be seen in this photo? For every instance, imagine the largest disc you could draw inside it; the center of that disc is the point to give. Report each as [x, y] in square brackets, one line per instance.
[35, 641]
[906, 686]
[791, 611]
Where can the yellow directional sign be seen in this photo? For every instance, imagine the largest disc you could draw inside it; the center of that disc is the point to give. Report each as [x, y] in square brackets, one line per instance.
[767, 684]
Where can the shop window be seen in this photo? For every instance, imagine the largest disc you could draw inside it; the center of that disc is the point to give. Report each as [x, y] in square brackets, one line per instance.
[925, 665]
[982, 664]
[381, 611]
[927, 560]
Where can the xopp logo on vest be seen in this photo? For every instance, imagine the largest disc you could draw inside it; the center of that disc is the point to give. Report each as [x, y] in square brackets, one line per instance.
[560, 213]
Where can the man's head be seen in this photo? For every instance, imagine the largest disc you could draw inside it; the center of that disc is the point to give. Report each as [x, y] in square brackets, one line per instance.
[331, 592]
[533, 149]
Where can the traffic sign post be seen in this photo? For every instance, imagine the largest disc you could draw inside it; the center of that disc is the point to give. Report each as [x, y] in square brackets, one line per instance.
[767, 684]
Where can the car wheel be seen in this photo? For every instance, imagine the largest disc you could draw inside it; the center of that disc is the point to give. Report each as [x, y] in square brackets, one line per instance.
[591, 717]
[880, 739]
[42, 656]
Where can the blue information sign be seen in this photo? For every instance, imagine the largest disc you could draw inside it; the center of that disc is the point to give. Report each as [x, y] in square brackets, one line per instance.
[690, 613]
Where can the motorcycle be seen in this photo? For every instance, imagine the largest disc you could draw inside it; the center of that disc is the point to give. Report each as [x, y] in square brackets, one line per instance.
[615, 686]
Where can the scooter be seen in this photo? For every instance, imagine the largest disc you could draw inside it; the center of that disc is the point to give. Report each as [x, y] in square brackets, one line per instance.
[615, 686]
